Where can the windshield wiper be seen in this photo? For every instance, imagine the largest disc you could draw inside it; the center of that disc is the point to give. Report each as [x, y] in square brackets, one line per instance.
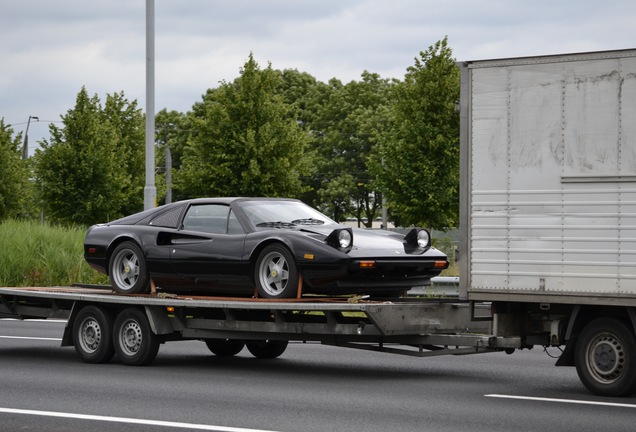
[279, 224]
[308, 221]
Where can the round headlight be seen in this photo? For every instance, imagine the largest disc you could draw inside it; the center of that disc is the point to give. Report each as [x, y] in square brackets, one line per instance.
[344, 238]
[423, 238]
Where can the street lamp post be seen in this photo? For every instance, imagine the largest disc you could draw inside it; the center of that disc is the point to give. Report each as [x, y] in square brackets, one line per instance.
[25, 146]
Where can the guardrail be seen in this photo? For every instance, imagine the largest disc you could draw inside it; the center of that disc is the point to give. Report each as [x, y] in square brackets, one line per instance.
[441, 286]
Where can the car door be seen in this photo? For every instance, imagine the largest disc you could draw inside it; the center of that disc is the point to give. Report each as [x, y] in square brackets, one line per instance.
[207, 250]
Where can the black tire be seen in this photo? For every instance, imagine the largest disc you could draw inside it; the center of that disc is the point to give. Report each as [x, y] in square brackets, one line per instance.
[133, 339]
[605, 356]
[275, 273]
[225, 347]
[266, 349]
[127, 269]
[92, 335]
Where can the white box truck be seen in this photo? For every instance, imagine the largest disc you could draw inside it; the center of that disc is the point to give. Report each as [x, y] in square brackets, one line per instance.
[548, 205]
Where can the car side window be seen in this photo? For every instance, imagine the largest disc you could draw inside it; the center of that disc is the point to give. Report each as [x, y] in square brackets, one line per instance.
[209, 218]
[212, 218]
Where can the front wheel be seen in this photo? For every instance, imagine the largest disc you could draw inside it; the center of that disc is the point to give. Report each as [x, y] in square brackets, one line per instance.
[266, 349]
[605, 356]
[134, 341]
[127, 269]
[92, 330]
[275, 273]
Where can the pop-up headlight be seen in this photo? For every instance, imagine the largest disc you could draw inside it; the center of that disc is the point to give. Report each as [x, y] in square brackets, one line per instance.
[340, 238]
[419, 237]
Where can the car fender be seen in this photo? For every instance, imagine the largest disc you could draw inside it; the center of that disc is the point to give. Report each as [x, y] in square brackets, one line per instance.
[299, 244]
[120, 238]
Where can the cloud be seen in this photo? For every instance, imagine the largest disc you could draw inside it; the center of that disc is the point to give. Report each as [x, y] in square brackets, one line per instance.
[51, 49]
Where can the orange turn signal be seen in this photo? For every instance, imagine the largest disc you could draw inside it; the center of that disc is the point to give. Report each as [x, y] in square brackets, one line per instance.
[309, 256]
[367, 264]
[170, 309]
[440, 264]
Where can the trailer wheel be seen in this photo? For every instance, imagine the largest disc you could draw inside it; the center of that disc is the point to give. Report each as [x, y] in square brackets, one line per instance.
[92, 335]
[276, 275]
[135, 343]
[266, 349]
[605, 356]
[225, 347]
[127, 269]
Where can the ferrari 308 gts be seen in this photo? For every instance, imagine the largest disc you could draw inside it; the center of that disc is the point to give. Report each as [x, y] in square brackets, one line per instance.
[264, 247]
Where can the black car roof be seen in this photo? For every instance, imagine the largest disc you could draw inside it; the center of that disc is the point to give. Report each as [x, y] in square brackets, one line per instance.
[229, 200]
[150, 213]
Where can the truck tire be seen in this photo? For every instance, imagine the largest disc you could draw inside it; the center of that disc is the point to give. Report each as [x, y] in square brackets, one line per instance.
[127, 269]
[225, 347]
[92, 335]
[134, 341]
[266, 349]
[275, 273]
[605, 356]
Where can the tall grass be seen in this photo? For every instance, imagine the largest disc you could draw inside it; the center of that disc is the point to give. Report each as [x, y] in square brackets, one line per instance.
[35, 254]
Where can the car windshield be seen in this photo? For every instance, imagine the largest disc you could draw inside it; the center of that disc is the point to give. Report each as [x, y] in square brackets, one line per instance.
[282, 214]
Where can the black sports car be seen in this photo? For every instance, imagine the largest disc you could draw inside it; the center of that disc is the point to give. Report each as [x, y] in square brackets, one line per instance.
[269, 247]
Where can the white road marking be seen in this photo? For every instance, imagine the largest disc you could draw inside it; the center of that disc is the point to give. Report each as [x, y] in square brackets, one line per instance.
[30, 338]
[569, 401]
[129, 420]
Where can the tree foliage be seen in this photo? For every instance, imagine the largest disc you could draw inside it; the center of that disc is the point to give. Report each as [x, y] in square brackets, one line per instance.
[89, 170]
[339, 147]
[348, 123]
[243, 141]
[417, 165]
[16, 195]
[173, 130]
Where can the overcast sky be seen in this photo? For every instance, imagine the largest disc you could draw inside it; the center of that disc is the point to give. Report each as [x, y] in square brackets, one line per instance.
[50, 49]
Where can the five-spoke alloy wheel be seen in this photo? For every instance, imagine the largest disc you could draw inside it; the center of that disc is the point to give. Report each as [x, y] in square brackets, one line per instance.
[128, 273]
[275, 273]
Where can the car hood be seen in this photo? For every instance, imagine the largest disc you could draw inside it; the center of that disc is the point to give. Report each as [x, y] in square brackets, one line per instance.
[376, 243]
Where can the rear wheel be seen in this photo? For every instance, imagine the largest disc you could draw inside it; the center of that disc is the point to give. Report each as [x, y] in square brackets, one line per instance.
[225, 347]
[134, 341]
[92, 335]
[266, 349]
[275, 273]
[606, 358]
[127, 269]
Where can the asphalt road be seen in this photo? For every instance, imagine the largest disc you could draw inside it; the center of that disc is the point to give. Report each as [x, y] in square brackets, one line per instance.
[310, 388]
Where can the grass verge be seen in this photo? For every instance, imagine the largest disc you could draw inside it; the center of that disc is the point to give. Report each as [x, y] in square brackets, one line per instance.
[35, 254]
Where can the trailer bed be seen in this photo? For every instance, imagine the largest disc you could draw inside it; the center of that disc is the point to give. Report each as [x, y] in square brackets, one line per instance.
[408, 326]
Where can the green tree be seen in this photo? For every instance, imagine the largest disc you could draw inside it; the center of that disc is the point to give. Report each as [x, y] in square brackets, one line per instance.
[417, 164]
[86, 172]
[173, 130]
[16, 195]
[243, 141]
[350, 124]
[307, 97]
[128, 124]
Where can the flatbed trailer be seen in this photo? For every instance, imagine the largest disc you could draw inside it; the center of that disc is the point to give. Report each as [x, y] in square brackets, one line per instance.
[101, 323]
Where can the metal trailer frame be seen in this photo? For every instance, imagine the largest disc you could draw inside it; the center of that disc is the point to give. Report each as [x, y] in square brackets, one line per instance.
[413, 327]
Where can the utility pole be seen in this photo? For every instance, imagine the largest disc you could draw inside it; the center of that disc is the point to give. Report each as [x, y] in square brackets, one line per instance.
[150, 190]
